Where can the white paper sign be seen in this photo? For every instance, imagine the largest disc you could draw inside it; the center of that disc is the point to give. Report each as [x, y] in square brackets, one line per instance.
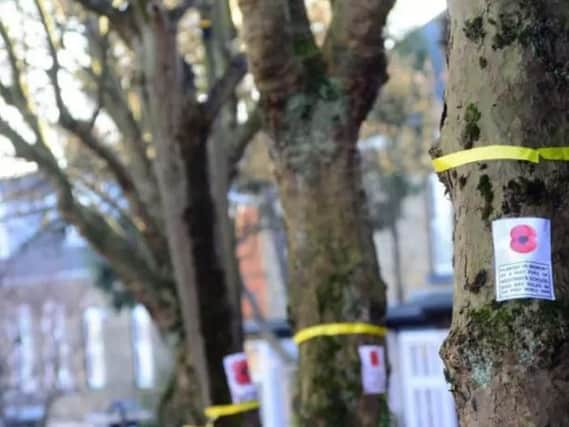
[522, 253]
[241, 387]
[374, 377]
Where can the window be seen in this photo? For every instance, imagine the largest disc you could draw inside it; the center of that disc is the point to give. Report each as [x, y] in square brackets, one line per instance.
[56, 351]
[95, 348]
[142, 347]
[440, 229]
[426, 397]
[25, 349]
[64, 375]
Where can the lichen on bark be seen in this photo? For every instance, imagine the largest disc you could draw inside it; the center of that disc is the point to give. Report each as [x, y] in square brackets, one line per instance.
[507, 361]
[471, 132]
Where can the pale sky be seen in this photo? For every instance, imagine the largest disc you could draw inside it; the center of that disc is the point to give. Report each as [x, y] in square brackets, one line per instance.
[409, 14]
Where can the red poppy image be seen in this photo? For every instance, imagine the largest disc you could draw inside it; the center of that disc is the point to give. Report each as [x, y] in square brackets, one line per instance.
[524, 239]
[374, 358]
[241, 372]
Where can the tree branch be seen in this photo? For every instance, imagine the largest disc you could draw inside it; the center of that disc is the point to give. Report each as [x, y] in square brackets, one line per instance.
[244, 134]
[224, 88]
[84, 132]
[17, 94]
[126, 260]
[269, 39]
[121, 20]
[100, 7]
[113, 98]
[354, 50]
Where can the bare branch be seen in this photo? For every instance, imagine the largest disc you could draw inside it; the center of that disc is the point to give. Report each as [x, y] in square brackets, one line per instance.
[121, 20]
[224, 88]
[84, 131]
[127, 261]
[13, 61]
[100, 7]
[17, 95]
[116, 103]
[244, 134]
[354, 50]
[264, 328]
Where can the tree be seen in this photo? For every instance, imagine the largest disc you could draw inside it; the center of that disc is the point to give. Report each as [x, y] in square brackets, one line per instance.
[143, 177]
[507, 85]
[314, 99]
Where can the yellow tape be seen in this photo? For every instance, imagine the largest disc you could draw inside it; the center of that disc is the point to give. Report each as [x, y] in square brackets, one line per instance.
[331, 329]
[499, 152]
[218, 411]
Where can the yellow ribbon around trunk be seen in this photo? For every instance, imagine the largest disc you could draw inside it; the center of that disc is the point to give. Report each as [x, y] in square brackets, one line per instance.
[499, 152]
[218, 411]
[331, 329]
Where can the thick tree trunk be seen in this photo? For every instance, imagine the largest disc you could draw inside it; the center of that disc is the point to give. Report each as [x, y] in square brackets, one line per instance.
[220, 314]
[333, 271]
[178, 402]
[314, 101]
[507, 362]
[211, 323]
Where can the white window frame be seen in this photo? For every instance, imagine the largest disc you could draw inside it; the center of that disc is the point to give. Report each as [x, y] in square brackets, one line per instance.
[95, 362]
[56, 350]
[422, 376]
[65, 380]
[142, 348]
[25, 350]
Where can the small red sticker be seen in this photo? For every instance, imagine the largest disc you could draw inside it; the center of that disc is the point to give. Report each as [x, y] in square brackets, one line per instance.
[374, 358]
[241, 372]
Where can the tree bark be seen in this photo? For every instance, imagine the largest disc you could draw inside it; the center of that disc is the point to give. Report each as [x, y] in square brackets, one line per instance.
[508, 84]
[332, 267]
[209, 307]
[220, 313]
[313, 103]
[177, 405]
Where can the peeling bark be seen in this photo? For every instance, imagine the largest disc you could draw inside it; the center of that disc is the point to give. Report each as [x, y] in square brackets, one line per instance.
[507, 362]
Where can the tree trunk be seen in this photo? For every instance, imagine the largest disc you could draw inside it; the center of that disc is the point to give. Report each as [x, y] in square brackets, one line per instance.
[220, 314]
[314, 101]
[178, 401]
[507, 362]
[333, 271]
[211, 324]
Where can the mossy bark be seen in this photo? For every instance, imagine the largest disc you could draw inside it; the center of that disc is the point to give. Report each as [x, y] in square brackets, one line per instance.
[333, 272]
[507, 362]
[314, 100]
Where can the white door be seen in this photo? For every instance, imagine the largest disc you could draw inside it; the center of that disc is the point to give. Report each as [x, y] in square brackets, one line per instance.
[427, 401]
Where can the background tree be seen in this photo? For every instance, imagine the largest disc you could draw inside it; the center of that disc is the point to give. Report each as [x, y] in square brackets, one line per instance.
[508, 68]
[132, 157]
[314, 99]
